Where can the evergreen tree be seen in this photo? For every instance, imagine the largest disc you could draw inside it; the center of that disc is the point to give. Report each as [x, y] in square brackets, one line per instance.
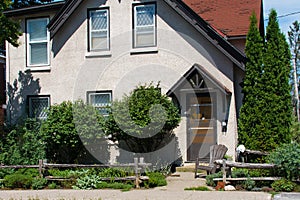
[266, 115]
[277, 100]
[249, 114]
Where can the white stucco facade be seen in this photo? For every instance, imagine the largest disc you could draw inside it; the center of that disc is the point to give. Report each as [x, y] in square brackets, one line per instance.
[73, 71]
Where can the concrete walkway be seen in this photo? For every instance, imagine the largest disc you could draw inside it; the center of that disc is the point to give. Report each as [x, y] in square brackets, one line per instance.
[174, 190]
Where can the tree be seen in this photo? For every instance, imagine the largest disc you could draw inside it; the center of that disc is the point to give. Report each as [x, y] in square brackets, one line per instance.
[143, 121]
[277, 106]
[294, 39]
[9, 29]
[266, 115]
[250, 115]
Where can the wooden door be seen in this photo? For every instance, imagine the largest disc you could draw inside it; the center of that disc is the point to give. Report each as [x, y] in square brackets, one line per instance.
[201, 126]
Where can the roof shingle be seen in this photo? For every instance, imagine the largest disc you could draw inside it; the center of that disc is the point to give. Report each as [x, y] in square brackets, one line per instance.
[231, 17]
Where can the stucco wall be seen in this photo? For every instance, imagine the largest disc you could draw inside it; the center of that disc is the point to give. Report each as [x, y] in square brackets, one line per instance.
[74, 71]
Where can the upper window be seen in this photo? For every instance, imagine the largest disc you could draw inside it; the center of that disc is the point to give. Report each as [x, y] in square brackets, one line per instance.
[99, 30]
[101, 101]
[38, 106]
[37, 42]
[144, 25]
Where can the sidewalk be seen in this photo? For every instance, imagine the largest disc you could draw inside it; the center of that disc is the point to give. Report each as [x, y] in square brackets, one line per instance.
[174, 190]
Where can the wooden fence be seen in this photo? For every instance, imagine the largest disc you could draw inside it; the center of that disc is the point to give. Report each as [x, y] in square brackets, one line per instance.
[138, 165]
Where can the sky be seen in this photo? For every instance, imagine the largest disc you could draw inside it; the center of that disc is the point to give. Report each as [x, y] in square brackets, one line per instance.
[288, 11]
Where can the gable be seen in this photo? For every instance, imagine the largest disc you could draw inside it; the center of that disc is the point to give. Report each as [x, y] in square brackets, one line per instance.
[182, 9]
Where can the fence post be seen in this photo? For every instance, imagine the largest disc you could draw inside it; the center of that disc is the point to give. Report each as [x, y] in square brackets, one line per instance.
[224, 170]
[41, 168]
[136, 171]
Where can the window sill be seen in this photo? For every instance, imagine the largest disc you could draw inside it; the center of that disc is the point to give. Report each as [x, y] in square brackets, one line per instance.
[144, 50]
[37, 69]
[98, 54]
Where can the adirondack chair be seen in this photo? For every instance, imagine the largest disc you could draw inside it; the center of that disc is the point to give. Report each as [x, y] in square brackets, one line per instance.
[217, 152]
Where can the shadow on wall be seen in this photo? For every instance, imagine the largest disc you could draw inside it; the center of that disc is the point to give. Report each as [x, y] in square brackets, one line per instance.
[17, 96]
[167, 155]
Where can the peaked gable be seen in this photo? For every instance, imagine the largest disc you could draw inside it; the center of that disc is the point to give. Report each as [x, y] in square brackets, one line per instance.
[182, 9]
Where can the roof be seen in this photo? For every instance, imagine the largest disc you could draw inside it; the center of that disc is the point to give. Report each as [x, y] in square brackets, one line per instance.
[230, 17]
[31, 9]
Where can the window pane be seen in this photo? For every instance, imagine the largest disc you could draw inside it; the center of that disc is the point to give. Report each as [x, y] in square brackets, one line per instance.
[99, 19]
[37, 29]
[145, 15]
[38, 107]
[38, 53]
[100, 99]
[99, 40]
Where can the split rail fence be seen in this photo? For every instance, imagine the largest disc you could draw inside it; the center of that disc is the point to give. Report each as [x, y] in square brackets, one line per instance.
[138, 165]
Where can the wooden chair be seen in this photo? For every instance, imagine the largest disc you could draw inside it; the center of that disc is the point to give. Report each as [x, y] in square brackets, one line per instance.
[216, 152]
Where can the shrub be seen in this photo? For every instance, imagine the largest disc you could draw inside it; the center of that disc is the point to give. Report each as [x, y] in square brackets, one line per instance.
[283, 185]
[38, 183]
[66, 124]
[23, 144]
[287, 159]
[115, 185]
[87, 182]
[113, 172]
[248, 184]
[144, 120]
[156, 179]
[18, 181]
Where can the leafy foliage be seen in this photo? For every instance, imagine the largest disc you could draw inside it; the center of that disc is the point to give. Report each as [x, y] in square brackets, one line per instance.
[144, 120]
[287, 158]
[209, 178]
[66, 125]
[266, 114]
[9, 29]
[283, 185]
[156, 179]
[200, 188]
[24, 144]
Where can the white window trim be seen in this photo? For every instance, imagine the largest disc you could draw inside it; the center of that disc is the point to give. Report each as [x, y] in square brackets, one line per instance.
[30, 98]
[41, 41]
[135, 26]
[100, 30]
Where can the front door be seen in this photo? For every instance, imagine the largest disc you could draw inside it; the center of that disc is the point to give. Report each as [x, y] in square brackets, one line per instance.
[201, 125]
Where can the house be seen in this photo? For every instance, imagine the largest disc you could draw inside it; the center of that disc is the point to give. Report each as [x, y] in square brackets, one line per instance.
[2, 87]
[100, 50]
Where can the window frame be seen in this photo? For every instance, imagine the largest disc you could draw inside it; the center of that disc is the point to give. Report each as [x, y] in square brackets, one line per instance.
[134, 21]
[90, 93]
[30, 111]
[90, 29]
[28, 42]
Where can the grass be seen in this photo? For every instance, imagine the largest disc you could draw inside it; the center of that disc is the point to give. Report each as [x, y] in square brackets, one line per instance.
[200, 188]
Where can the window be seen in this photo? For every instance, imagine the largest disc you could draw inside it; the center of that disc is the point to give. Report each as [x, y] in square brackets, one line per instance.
[38, 106]
[99, 30]
[100, 100]
[144, 25]
[37, 42]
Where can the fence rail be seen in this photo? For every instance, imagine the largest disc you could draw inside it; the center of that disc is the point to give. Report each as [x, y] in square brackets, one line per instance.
[137, 165]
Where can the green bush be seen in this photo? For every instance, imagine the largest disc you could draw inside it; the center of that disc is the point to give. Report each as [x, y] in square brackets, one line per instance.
[248, 184]
[283, 185]
[114, 172]
[67, 123]
[156, 179]
[287, 159]
[52, 185]
[23, 144]
[87, 182]
[38, 183]
[18, 181]
[115, 185]
[144, 120]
